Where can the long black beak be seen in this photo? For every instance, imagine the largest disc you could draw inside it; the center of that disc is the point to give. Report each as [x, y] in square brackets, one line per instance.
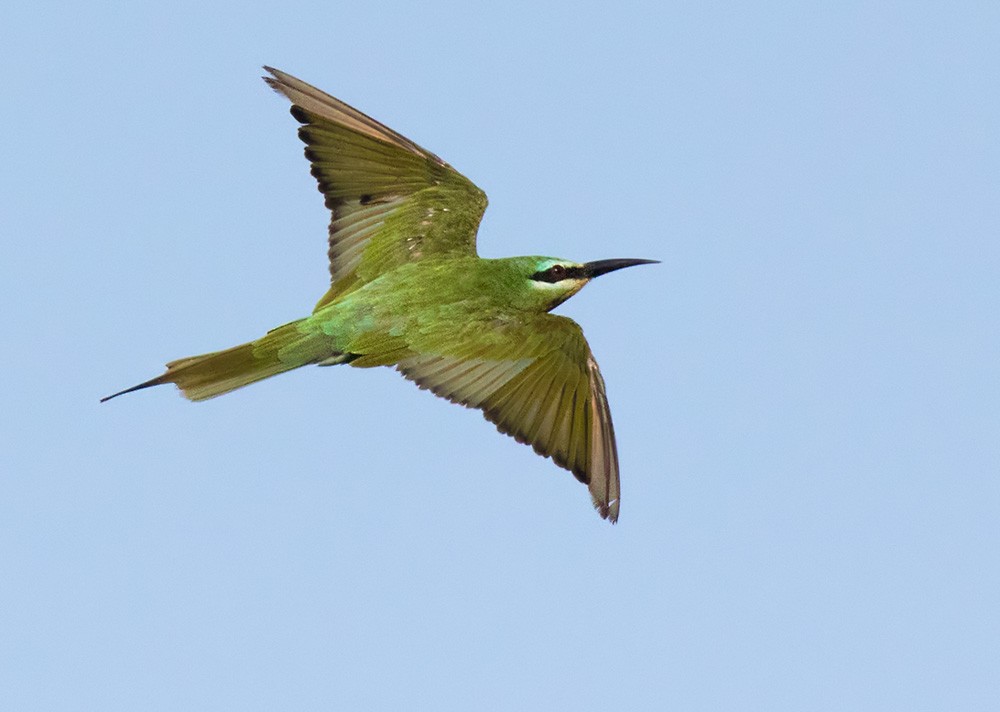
[596, 269]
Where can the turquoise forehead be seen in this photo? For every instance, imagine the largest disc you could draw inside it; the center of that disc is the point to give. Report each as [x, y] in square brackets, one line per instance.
[544, 263]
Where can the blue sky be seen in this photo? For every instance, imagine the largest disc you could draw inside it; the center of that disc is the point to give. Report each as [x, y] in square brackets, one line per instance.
[805, 392]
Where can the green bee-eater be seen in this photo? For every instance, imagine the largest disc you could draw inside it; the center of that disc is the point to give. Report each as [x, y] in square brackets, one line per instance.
[408, 290]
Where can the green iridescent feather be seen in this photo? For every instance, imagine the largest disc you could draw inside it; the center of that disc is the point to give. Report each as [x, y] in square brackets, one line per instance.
[408, 290]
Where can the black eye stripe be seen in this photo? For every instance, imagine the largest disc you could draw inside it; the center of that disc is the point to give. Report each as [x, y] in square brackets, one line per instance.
[557, 273]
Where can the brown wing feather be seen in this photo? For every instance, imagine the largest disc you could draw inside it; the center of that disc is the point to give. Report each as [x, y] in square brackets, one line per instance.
[545, 390]
[391, 200]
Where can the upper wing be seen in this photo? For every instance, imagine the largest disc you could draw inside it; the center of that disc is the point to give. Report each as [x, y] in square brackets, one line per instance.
[536, 381]
[392, 201]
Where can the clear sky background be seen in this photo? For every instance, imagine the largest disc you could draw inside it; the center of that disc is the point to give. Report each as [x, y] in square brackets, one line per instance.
[806, 391]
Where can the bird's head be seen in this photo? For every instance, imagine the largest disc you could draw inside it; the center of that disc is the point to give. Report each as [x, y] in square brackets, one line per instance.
[551, 281]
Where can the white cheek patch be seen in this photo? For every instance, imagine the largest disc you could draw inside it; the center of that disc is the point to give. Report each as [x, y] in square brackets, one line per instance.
[554, 287]
[563, 289]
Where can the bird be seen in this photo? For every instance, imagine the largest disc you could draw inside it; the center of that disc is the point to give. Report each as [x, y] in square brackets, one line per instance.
[408, 290]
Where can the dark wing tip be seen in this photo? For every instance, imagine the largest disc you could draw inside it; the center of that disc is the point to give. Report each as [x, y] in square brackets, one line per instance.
[608, 510]
[276, 81]
[272, 81]
[276, 75]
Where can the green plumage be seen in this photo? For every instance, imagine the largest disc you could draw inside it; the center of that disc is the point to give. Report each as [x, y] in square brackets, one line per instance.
[409, 290]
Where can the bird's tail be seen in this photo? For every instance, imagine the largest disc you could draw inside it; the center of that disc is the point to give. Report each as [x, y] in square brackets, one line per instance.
[212, 374]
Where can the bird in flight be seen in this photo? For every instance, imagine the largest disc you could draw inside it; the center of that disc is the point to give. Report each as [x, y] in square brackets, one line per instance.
[409, 290]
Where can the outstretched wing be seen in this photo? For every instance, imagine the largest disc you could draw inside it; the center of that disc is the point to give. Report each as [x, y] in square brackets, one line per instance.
[392, 201]
[537, 381]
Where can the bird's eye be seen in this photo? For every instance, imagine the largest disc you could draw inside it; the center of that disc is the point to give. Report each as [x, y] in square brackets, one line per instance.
[557, 272]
